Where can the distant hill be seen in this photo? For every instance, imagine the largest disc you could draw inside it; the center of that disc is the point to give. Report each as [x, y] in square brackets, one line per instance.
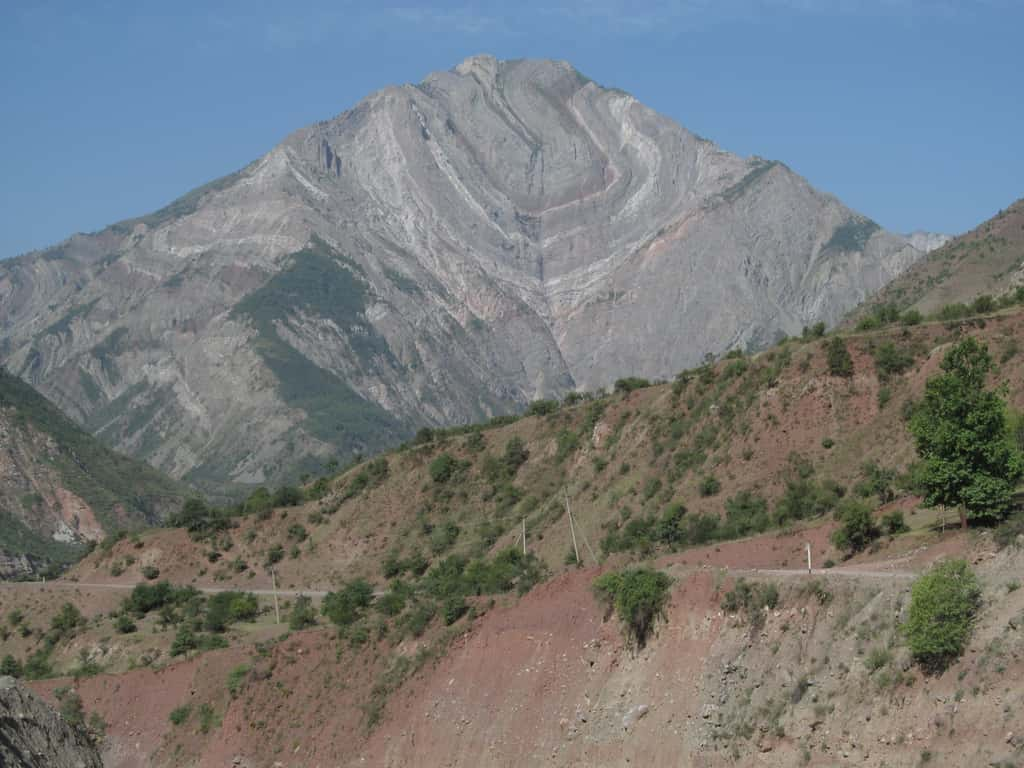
[60, 488]
[988, 260]
[439, 254]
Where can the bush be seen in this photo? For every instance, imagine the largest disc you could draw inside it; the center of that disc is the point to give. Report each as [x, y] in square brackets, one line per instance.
[442, 468]
[891, 360]
[274, 555]
[541, 407]
[302, 614]
[631, 384]
[10, 666]
[237, 678]
[877, 658]
[515, 455]
[943, 605]
[150, 572]
[911, 317]
[838, 356]
[180, 715]
[454, 608]
[709, 486]
[349, 603]
[124, 625]
[287, 496]
[858, 528]
[746, 513]
[894, 524]
[199, 519]
[638, 596]
[752, 598]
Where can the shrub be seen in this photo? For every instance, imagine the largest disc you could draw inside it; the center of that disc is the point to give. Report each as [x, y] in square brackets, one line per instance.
[237, 678]
[302, 614]
[877, 658]
[884, 396]
[208, 718]
[750, 597]
[911, 317]
[858, 528]
[70, 707]
[709, 486]
[827, 443]
[894, 524]
[124, 625]
[150, 572]
[287, 496]
[515, 455]
[630, 384]
[184, 641]
[274, 555]
[199, 519]
[10, 666]
[180, 715]
[542, 407]
[891, 360]
[815, 331]
[442, 468]
[838, 356]
[349, 603]
[454, 608]
[746, 513]
[638, 596]
[943, 605]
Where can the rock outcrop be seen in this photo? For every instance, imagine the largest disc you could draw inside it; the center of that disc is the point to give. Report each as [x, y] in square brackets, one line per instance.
[33, 735]
[440, 253]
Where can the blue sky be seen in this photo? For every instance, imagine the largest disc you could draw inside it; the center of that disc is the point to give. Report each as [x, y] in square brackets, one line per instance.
[909, 110]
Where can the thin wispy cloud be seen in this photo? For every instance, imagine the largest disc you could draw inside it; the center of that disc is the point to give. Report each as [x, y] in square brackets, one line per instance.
[464, 19]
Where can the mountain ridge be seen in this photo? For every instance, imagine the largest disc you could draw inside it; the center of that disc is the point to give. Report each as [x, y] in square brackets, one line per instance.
[501, 232]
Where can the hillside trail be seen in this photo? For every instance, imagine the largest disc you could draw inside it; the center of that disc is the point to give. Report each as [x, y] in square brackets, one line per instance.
[852, 572]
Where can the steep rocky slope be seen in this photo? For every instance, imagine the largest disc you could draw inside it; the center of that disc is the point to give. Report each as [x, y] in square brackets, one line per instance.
[32, 735]
[61, 488]
[440, 253]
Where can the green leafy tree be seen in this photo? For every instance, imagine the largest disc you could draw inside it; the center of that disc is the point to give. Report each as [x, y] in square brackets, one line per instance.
[943, 604]
[961, 434]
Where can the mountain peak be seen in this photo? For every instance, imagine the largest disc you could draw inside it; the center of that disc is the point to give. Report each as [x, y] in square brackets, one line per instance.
[497, 234]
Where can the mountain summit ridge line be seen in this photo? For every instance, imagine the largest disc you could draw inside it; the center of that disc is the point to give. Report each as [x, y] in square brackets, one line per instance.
[440, 253]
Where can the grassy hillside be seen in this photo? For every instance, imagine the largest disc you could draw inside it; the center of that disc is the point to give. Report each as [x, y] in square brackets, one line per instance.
[413, 561]
[730, 449]
[988, 260]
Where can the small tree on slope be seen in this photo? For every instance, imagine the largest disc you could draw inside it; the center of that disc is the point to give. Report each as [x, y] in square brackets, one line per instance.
[961, 434]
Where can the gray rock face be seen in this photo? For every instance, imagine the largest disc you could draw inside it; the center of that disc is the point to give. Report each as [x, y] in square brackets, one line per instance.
[438, 254]
[32, 735]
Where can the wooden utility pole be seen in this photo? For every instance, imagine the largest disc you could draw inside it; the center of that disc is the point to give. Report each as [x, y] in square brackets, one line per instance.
[572, 529]
[808, 557]
[277, 609]
[524, 535]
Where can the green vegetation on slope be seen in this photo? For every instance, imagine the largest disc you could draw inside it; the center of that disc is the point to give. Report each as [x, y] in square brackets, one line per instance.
[121, 491]
[321, 284]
